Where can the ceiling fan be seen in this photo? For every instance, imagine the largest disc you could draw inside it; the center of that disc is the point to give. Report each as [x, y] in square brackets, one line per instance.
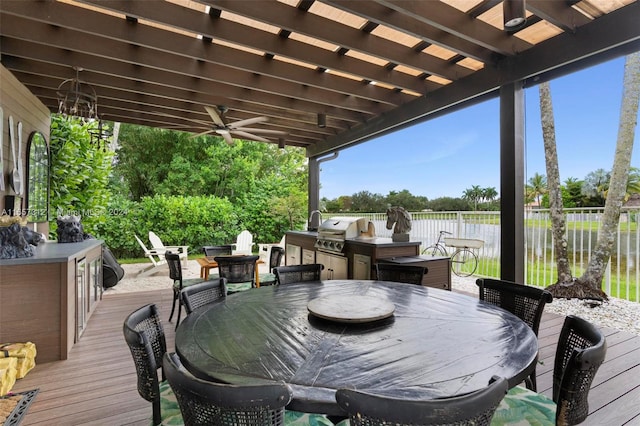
[238, 128]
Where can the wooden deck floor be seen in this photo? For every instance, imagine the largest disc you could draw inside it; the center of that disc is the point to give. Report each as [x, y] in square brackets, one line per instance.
[97, 384]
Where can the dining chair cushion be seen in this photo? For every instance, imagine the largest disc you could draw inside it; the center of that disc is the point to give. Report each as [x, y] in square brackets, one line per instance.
[297, 418]
[169, 407]
[267, 279]
[524, 407]
[236, 287]
[189, 282]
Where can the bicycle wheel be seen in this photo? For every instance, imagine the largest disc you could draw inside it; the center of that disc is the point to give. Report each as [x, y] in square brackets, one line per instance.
[464, 262]
[435, 250]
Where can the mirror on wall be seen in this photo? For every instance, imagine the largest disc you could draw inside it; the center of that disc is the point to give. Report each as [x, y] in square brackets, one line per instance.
[37, 198]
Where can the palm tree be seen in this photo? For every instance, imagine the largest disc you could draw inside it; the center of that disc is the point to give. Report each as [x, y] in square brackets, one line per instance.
[489, 194]
[590, 283]
[553, 184]
[537, 186]
[473, 195]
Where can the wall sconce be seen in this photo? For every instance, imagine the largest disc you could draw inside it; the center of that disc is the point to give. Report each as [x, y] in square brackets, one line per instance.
[322, 120]
[514, 14]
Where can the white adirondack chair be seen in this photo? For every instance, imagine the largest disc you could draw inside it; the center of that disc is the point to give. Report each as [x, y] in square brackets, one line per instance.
[156, 244]
[156, 257]
[243, 244]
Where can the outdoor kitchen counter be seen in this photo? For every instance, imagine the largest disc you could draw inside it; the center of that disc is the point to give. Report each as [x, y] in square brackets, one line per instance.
[379, 241]
[47, 298]
[52, 251]
[356, 251]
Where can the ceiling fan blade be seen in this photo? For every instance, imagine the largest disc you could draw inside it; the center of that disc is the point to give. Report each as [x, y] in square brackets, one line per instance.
[248, 121]
[265, 131]
[201, 134]
[214, 115]
[226, 135]
[249, 136]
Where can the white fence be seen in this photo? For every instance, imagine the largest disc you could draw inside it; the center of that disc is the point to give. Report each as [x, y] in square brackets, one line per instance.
[622, 276]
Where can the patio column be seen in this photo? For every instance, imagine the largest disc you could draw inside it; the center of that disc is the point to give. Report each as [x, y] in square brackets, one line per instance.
[512, 128]
[314, 189]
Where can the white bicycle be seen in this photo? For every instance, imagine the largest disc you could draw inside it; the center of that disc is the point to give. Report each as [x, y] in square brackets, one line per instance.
[464, 261]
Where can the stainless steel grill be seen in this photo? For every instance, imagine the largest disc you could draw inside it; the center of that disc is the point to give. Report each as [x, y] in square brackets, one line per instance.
[334, 231]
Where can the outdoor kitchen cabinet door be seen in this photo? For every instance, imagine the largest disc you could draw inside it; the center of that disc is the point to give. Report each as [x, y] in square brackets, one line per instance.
[293, 255]
[335, 267]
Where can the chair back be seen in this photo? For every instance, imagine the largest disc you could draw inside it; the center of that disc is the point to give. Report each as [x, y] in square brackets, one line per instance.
[244, 243]
[175, 268]
[202, 294]
[155, 241]
[237, 269]
[580, 352]
[409, 274]
[526, 302]
[298, 273]
[213, 251]
[476, 408]
[208, 403]
[145, 337]
[275, 258]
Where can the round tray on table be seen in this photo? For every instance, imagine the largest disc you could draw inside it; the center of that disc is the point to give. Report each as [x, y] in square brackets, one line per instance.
[351, 308]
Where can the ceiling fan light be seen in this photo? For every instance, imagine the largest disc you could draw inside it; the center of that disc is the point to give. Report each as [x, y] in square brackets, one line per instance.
[322, 120]
[514, 14]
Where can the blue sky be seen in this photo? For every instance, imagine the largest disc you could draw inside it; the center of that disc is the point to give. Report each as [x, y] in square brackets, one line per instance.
[445, 156]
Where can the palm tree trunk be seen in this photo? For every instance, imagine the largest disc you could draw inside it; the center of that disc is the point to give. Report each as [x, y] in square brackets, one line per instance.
[553, 185]
[619, 175]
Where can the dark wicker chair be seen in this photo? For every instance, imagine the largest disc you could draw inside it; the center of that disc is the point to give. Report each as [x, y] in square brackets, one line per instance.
[400, 273]
[238, 270]
[275, 259]
[203, 293]
[580, 352]
[526, 302]
[144, 335]
[206, 403]
[213, 251]
[298, 273]
[474, 408]
[175, 273]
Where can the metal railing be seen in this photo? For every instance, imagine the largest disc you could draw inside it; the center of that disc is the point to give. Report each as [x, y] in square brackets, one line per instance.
[582, 225]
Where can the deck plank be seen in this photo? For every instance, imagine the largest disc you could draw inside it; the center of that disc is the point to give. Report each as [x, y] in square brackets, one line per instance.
[97, 384]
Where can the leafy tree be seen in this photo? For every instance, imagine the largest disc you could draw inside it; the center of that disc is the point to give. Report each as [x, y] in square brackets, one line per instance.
[365, 201]
[596, 186]
[448, 204]
[257, 178]
[572, 193]
[80, 173]
[407, 200]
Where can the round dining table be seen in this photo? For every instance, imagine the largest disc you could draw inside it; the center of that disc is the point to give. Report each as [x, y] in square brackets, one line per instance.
[433, 343]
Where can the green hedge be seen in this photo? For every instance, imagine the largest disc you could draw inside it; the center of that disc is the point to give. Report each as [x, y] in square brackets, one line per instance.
[192, 221]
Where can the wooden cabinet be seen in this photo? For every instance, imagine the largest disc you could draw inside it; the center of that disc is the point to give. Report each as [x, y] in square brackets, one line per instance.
[308, 257]
[438, 269]
[293, 254]
[361, 267]
[47, 299]
[335, 267]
